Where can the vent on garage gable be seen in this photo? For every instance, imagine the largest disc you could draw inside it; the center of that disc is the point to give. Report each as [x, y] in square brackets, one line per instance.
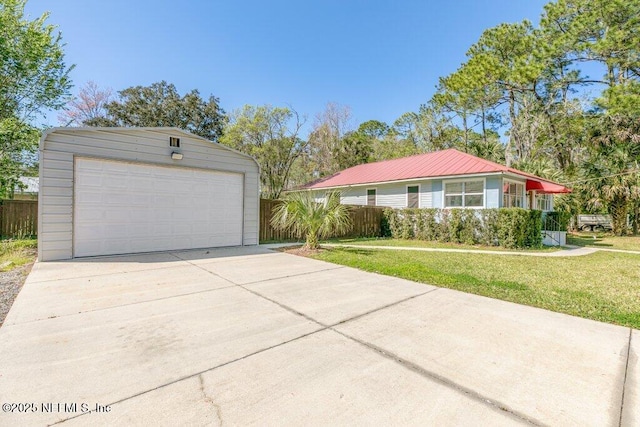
[174, 142]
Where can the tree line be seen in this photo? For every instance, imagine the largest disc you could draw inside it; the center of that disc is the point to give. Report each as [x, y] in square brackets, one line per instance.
[559, 98]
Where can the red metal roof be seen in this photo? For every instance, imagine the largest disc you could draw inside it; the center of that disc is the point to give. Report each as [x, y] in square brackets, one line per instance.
[449, 162]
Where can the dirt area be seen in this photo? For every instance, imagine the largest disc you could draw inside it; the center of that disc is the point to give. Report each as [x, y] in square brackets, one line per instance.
[300, 250]
[10, 284]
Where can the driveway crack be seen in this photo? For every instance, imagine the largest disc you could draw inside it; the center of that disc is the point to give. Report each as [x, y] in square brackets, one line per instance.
[472, 394]
[492, 403]
[208, 399]
[186, 377]
[293, 275]
[624, 381]
[119, 306]
[381, 308]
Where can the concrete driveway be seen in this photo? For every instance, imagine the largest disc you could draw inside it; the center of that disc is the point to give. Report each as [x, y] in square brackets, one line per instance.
[250, 336]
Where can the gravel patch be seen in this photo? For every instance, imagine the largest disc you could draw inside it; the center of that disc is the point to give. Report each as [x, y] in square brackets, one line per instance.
[10, 284]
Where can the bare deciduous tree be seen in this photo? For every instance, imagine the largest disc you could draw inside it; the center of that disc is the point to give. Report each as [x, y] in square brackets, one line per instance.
[328, 132]
[89, 104]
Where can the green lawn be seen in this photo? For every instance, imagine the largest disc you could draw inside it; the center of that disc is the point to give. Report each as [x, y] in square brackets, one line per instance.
[604, 240]
[382, 241]
[603, 286]
[14, 253]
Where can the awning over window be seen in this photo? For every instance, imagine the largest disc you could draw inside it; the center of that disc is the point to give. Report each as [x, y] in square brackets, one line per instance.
[546, 187]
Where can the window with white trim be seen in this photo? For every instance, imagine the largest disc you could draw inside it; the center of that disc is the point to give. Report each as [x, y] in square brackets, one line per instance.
[464, 194]
[513, 194]
[543, 202]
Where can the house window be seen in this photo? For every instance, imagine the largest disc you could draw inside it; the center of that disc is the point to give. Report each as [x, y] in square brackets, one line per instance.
[543, 202]
[174, 142]
[464, 194]
[513, 195]
[371, 197]
[413, 196]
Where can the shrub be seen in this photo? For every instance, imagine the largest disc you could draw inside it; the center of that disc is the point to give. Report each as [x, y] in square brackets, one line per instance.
[489, 227]
[534, 230]
[300, 213]
[507, 227]
[470, 227]
[427, 227]
[385, 226]
[519, 228]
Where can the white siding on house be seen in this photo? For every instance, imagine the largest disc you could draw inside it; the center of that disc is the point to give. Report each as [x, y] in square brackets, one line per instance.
[393, 195]
[59, 148]
[353, 196]
[426, 195]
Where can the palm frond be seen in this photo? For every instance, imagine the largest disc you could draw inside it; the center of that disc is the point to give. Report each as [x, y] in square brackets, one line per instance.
[304, 216]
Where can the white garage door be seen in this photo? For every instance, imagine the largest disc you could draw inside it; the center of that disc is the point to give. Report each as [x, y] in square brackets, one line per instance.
[125, 208]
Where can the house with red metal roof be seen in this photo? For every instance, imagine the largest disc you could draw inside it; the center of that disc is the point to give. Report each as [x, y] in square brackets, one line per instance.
[441, 179]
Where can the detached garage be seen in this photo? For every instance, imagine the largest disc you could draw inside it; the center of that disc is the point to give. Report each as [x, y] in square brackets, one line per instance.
[109, 191]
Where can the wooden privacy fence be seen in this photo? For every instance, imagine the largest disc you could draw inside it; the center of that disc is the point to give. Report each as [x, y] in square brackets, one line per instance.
[267, 232]
[18, 218]
[366, 222]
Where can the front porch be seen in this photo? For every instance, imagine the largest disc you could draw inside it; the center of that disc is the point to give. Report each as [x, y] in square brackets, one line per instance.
[539, 195]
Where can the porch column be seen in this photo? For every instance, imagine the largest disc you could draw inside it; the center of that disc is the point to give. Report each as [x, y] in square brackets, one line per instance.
[532, 199]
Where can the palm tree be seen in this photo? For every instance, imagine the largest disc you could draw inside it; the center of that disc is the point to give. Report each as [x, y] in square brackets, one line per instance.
[612, 169]
[314, 220]
[616, 187]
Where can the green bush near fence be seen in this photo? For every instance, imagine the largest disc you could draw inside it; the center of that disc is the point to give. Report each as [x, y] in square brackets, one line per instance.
[506, 227]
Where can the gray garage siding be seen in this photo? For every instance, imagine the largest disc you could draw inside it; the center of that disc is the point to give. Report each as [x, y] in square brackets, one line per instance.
[59, 147]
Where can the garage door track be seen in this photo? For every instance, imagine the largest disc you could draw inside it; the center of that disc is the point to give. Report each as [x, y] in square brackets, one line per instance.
[245, 336]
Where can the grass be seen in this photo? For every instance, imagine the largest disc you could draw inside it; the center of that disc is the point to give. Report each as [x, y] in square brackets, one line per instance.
[604, 240]
[604, 286]
[14, 253]
[382, 241]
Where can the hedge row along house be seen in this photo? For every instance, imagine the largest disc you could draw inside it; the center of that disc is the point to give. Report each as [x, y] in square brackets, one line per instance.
[447, 179]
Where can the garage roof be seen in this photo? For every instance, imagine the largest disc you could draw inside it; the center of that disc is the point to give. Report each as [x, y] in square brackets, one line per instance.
[148, 129]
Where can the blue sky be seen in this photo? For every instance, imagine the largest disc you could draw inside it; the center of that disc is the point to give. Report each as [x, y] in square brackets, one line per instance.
[381, 58]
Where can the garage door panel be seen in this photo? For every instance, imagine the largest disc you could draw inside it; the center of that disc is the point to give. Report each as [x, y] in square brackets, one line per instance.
[143, 208]
[141, 199]
[114, 244]
[201, 202]
[88, 198]
[93, 181]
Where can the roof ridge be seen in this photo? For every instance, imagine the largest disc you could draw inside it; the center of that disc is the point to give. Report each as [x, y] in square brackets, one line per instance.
[402, 158]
